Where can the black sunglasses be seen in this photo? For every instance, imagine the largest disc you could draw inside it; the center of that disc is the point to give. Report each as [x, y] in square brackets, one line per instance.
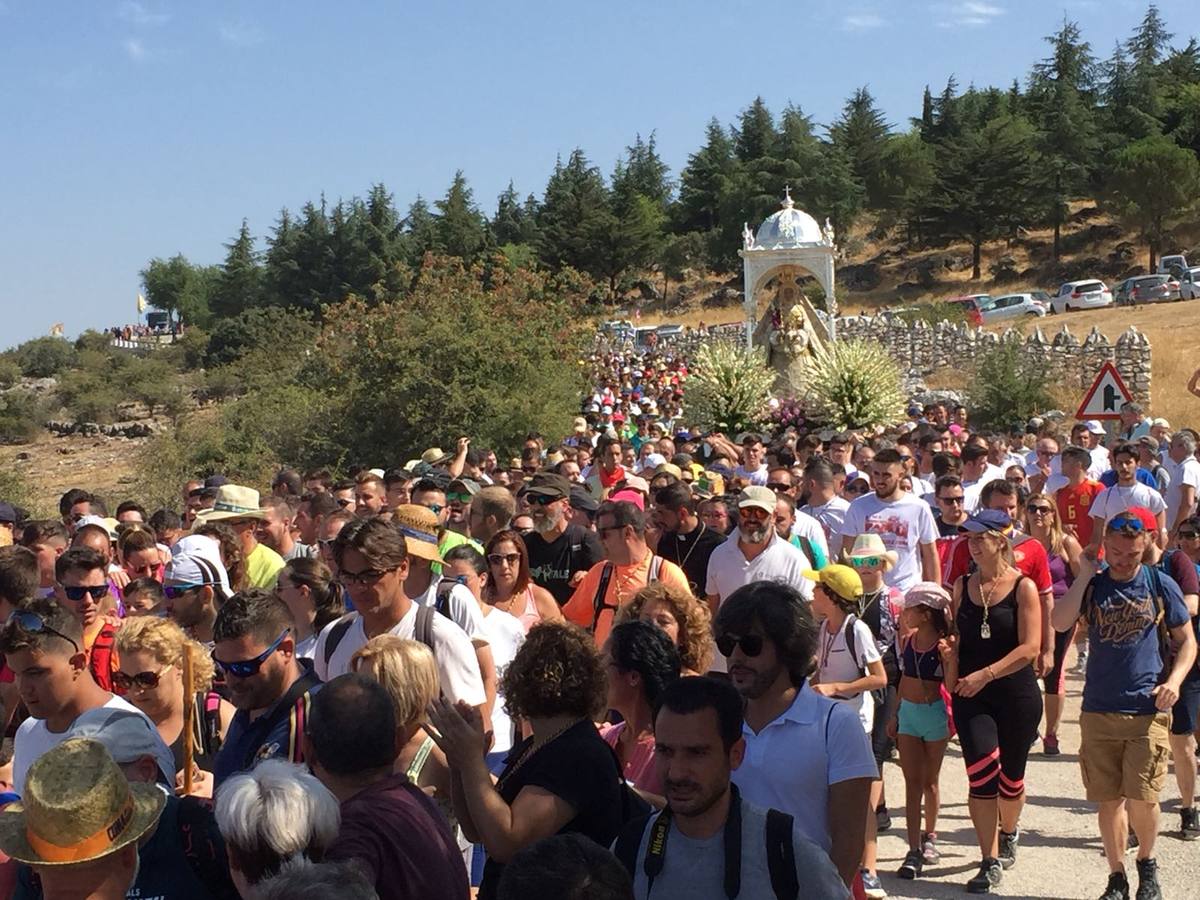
[245, 668]
[76, 594]
[147, 681]
[35, 624]
[751, 644]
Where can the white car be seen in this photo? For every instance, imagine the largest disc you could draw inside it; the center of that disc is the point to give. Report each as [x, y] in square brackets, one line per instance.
[1086, 294]
[1189, 284]
[1012, 306]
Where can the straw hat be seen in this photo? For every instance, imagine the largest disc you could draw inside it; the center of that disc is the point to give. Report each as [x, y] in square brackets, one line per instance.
[233, 502]
[77, 806]
[871, 544]
[434, 455]
[419, 526]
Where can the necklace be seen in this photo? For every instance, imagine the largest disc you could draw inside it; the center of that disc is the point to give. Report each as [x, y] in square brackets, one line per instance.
[688, 555]
[530, 749]
[985, 630]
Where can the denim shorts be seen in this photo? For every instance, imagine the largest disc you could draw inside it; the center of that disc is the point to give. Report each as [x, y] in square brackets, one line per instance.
[927, 721]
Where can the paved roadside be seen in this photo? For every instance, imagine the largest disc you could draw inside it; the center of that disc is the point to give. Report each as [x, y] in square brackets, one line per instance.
[1059, 857]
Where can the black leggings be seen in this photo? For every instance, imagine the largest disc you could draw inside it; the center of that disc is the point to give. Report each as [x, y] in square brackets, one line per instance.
[996, 728]
[1052, 683]
[881, 744]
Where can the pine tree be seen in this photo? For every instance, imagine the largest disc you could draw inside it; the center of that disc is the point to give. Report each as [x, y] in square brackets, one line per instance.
[703, 179]
[420, 231]
[1124, 118]
[860, 135]
[1149, 41]
[460, 229]
[240, 283]
[574, 213]
[1154, 185]
[926, 124]
[646, 172]
[280, 266]
[947, 124]
[314, 257]
[756, 133]
[382, 236]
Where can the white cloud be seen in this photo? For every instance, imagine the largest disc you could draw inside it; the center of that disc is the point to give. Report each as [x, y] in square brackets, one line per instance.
[134, 49]
[862, 21]
[967, 13]
[140, 15]
[240, 34]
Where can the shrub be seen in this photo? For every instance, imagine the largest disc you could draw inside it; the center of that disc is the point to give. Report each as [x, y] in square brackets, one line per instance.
[853, 384]
[729, 388]
[45, 356]
[15, 489]
[265, 328]
[21, 415]
[1009, 387]
[10, 371]
[89, 396]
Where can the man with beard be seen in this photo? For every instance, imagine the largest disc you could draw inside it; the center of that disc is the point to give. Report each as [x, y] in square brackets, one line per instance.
[685, 540]
[560, 552]
[806, 755]
[270, 686]
[370, 495]
[698, 744]
[195, 583]
[277, 524]
[608, 471]
[313, 510]
[754, 552]
[83, 589]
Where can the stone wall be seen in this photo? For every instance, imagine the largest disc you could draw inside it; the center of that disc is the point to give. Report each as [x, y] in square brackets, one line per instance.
[921, 349]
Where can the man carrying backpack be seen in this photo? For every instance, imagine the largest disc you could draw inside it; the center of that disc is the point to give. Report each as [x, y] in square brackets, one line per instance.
[708, 842]
[1135, 614]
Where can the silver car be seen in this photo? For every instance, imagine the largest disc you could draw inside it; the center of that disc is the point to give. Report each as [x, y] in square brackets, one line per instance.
[1012, 306]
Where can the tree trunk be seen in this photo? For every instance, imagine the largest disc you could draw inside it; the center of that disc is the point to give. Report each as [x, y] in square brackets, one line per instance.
[976, 255]
[1057, 237]
[1153, 247]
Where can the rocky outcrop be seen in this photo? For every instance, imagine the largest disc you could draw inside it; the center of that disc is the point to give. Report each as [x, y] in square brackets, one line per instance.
[116, 429]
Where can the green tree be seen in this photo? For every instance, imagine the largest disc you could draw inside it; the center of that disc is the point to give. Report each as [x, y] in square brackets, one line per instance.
[1152, 186]
[927, 124]
[461, 229]
[860, 135]
[703, 181]
[239, 284]
[420, 231]
[267, 328]
[645, 172]
[382, 237]
[755, 135]
[180, 289]
[574, 215]
[45, 356]
[280, 267]
[515, 221]
[907, 175]
[986, 183]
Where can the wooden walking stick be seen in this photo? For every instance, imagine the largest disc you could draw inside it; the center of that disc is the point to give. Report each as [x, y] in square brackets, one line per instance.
[189, 706]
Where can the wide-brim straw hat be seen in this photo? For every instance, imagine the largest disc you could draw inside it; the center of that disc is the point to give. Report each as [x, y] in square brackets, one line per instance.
[77, 806]
[233, 502]
[419, 526]
[871, 544]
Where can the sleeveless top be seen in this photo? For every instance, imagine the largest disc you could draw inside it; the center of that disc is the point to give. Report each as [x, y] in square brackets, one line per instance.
[924, 666]
[206, 734]
[444, 805]
[530, 615]
[1060, 575]
[976, 652]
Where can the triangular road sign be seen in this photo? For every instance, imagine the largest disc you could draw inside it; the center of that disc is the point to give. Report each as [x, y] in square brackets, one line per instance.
[1106, 395]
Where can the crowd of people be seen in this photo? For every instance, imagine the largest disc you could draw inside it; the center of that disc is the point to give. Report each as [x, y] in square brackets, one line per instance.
[638, 661]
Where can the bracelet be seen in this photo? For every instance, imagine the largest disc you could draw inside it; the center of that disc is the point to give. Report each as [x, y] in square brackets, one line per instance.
[991, 674]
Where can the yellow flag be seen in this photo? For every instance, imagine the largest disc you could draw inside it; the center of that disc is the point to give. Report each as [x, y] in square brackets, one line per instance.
[141, 304]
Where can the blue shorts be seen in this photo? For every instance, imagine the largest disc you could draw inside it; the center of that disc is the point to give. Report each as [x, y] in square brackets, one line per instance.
[927, 721]
[1185, 712]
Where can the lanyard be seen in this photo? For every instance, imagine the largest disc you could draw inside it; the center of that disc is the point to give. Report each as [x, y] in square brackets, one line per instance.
[656, 850]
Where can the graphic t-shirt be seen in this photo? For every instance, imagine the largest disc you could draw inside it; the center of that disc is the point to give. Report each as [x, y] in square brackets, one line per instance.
[1119, 498]
[1074, 504]
[1125, 662]
[552, 563]
[904, 524]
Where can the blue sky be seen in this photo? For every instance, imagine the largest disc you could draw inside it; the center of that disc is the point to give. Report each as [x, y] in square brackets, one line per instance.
[135, 128]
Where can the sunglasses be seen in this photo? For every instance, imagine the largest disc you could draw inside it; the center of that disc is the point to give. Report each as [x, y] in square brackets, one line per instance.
[1126, 524]
[511, 558]
[779, 486]
[435, 508]
[145, 681]
[958, 501]
[76, 594]
[245, 668]
[754, 513]
[458, 498]
[367, 577]
[35, 624]
[175, 591]
[1039, 510]
[866, 562]
[541, 499]
[1189, 535]
[343, 502]
[751, 644]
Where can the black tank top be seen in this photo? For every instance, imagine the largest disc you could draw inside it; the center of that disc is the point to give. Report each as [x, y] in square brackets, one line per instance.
[976, 652]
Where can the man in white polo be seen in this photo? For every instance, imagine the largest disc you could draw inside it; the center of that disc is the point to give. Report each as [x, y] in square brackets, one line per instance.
[754, 552]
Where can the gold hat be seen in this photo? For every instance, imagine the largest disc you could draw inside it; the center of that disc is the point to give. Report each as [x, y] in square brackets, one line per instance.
[77, 806]
[233, 502]
[419, 525]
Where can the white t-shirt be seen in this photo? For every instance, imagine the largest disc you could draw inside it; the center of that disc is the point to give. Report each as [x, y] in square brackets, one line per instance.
[973, 489]
[728, 570]
[1100, 462]
[33, 739]
[830, 515]
[904, 524]
[505, 634]
[808, 527]
[458, 667]
[836, 663]
[758, 476]
[1117, 499]
[1186, 472]
[461, 607]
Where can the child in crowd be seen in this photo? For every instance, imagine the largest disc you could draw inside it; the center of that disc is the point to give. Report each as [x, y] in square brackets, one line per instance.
[144, 597]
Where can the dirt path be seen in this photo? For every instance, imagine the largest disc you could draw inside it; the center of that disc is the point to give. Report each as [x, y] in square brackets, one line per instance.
[1059, 856]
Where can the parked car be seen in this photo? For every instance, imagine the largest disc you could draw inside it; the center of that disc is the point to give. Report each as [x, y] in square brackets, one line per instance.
[1146, 289]
[1189, 284]
[670, 332]
[1012, 306]
[973, 304]
[1172, 264]
[1086, 294]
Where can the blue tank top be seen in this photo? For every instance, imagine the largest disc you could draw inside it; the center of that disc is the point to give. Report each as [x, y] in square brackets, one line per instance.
[924, 666]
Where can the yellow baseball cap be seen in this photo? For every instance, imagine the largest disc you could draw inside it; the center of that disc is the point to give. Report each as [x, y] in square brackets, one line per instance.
[841, 580]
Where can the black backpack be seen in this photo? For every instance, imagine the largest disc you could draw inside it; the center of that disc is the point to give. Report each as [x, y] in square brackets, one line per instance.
[422, 630]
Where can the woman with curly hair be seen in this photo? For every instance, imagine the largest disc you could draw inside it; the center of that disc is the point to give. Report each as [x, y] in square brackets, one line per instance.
[150, 677]
[561, 779]
[687, 622]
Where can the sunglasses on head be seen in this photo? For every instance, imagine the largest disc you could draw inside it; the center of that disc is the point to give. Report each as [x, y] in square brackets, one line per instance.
[76, 594]
[751, 644]
[245, 668]
[35, 624]
[146, 681]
